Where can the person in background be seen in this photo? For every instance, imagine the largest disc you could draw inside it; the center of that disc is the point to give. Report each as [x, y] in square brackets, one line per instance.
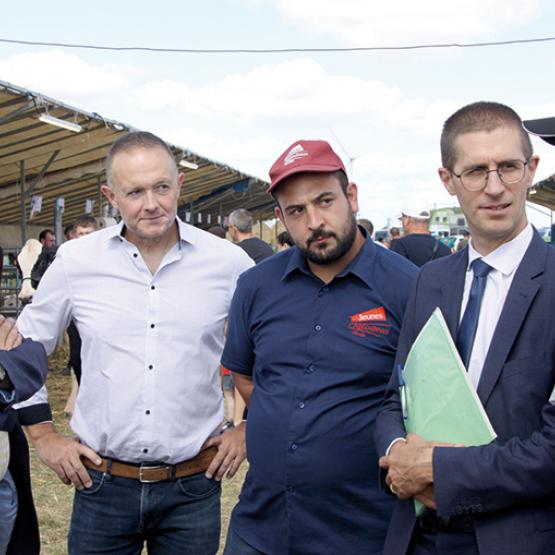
[240, 230]
[417, 243]
[69, 232]
[218, 231]
[284, 241]
[83, 226]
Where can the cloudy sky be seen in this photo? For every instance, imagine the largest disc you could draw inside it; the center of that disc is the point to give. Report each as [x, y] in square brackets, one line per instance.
[382, 111]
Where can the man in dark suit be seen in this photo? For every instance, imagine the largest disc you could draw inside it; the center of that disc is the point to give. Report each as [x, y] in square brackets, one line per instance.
[23, 367]
[497, 498]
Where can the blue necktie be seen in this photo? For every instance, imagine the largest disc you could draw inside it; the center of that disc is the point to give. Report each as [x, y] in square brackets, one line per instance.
[469, 323]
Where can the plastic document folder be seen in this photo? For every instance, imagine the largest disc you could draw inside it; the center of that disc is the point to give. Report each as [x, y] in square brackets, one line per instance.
[438, 399]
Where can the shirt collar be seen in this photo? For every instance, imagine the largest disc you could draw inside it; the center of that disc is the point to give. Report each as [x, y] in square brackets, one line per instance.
[508, 256]
[360, 266]
[187, 233]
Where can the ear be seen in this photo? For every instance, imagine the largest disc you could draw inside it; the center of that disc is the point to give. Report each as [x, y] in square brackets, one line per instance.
[180, 180]
[532, 167]
[110, 195]
[279, 214]
[352, 196]
[447, 180]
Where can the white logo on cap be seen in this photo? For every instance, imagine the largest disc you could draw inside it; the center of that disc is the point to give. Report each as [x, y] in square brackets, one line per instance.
[294, 154]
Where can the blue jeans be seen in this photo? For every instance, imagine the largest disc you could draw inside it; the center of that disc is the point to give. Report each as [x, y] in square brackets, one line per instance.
[235, 545]
[8, 510]
[117, 515]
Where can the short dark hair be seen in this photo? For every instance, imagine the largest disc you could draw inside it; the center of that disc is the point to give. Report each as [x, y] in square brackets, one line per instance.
[339, 174]
[217, 230]
[86, 221]
[44, 233]
[366, 224]
[131, 141]
[284, 238]
[479, 116]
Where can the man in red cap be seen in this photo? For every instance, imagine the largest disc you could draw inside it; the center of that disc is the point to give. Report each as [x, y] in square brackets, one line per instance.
[311, 342]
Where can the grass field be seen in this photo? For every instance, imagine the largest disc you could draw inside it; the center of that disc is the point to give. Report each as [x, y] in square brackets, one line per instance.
[53, 499]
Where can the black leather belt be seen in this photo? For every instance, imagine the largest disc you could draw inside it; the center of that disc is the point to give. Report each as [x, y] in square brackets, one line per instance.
[461, 524]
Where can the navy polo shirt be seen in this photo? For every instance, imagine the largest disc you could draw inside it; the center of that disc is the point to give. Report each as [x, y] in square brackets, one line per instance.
[320, 356]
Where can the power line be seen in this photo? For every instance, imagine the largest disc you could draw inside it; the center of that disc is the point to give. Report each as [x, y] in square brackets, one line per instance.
[278, 50]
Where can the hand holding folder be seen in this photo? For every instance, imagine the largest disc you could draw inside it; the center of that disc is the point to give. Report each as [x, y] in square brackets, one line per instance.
[438, 400]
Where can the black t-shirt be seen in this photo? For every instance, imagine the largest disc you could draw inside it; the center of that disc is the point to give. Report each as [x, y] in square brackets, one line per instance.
[420, 248]
[257, 249]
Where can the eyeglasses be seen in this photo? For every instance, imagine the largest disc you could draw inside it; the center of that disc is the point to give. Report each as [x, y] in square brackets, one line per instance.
[509, 172]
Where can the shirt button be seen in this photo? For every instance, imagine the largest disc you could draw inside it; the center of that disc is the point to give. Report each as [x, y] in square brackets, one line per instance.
[145, 450]
[290, 489]
[153, 287]
[151, 325]
[294, 447]
[135, 255]
[150, 367]
[318, 327]
[310, 369]
[147, 411]
[325, 289]
[300, 405]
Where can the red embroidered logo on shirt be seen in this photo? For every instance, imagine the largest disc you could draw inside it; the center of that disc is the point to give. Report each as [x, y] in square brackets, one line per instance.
[370, 322]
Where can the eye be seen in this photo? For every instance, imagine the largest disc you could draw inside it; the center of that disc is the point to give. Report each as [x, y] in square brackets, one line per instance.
[509, 165]
[134, 193]
[326, 201]
[162, 188]
[474, 172]
[295, 211]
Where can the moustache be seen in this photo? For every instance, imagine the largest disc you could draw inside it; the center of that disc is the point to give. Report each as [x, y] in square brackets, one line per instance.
[320, 234]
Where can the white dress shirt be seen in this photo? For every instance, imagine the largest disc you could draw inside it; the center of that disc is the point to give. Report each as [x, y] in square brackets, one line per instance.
[151, 344]
[504, 260]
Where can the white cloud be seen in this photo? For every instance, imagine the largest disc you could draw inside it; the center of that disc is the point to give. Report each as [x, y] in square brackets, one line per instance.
[64, 76]
[298, 90]
[401, 22]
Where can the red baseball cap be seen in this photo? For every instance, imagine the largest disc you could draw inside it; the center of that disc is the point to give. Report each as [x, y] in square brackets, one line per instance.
[304, 156]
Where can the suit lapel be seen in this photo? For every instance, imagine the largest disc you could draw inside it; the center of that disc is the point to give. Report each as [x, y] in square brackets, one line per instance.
[452, 291]
[522, 292]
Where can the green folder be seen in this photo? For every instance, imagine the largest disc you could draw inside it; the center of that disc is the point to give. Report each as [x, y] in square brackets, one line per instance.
[438, 399]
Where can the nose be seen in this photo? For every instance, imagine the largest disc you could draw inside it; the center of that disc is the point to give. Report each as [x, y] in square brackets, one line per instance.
[494, 185]
[314, 218]
[150, 201]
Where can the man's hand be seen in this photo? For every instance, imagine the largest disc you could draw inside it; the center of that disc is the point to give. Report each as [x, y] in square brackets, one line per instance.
[9, 336]
[63, 454]
[232, 450]
[409, 466]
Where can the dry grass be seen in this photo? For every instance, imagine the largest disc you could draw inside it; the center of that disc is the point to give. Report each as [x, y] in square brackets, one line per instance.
[53, 499]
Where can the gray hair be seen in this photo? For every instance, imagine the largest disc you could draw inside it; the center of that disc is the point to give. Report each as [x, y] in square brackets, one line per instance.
[241, 219]
[131, 141]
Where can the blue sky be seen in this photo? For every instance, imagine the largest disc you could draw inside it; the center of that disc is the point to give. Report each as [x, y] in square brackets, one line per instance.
[384, 109]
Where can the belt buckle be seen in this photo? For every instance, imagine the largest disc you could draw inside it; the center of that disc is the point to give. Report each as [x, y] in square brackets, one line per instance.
[152, 467]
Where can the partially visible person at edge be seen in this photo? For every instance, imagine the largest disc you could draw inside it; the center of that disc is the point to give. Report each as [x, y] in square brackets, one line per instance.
[498, 300]
[311, 340]
[417, 243]
[240, 231]
[23, 368]
[149, 298]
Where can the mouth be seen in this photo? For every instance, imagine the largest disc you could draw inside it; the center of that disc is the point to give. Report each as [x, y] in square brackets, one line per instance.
[498, 208]
[319, 239]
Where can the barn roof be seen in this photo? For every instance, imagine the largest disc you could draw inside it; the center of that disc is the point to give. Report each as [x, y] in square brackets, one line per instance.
[40, 157]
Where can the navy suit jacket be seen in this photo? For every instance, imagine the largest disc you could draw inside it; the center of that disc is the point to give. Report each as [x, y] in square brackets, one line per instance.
[508, 485]
[26, 367]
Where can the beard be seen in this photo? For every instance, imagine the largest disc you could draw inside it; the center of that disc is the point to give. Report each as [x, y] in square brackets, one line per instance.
[344, 241]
